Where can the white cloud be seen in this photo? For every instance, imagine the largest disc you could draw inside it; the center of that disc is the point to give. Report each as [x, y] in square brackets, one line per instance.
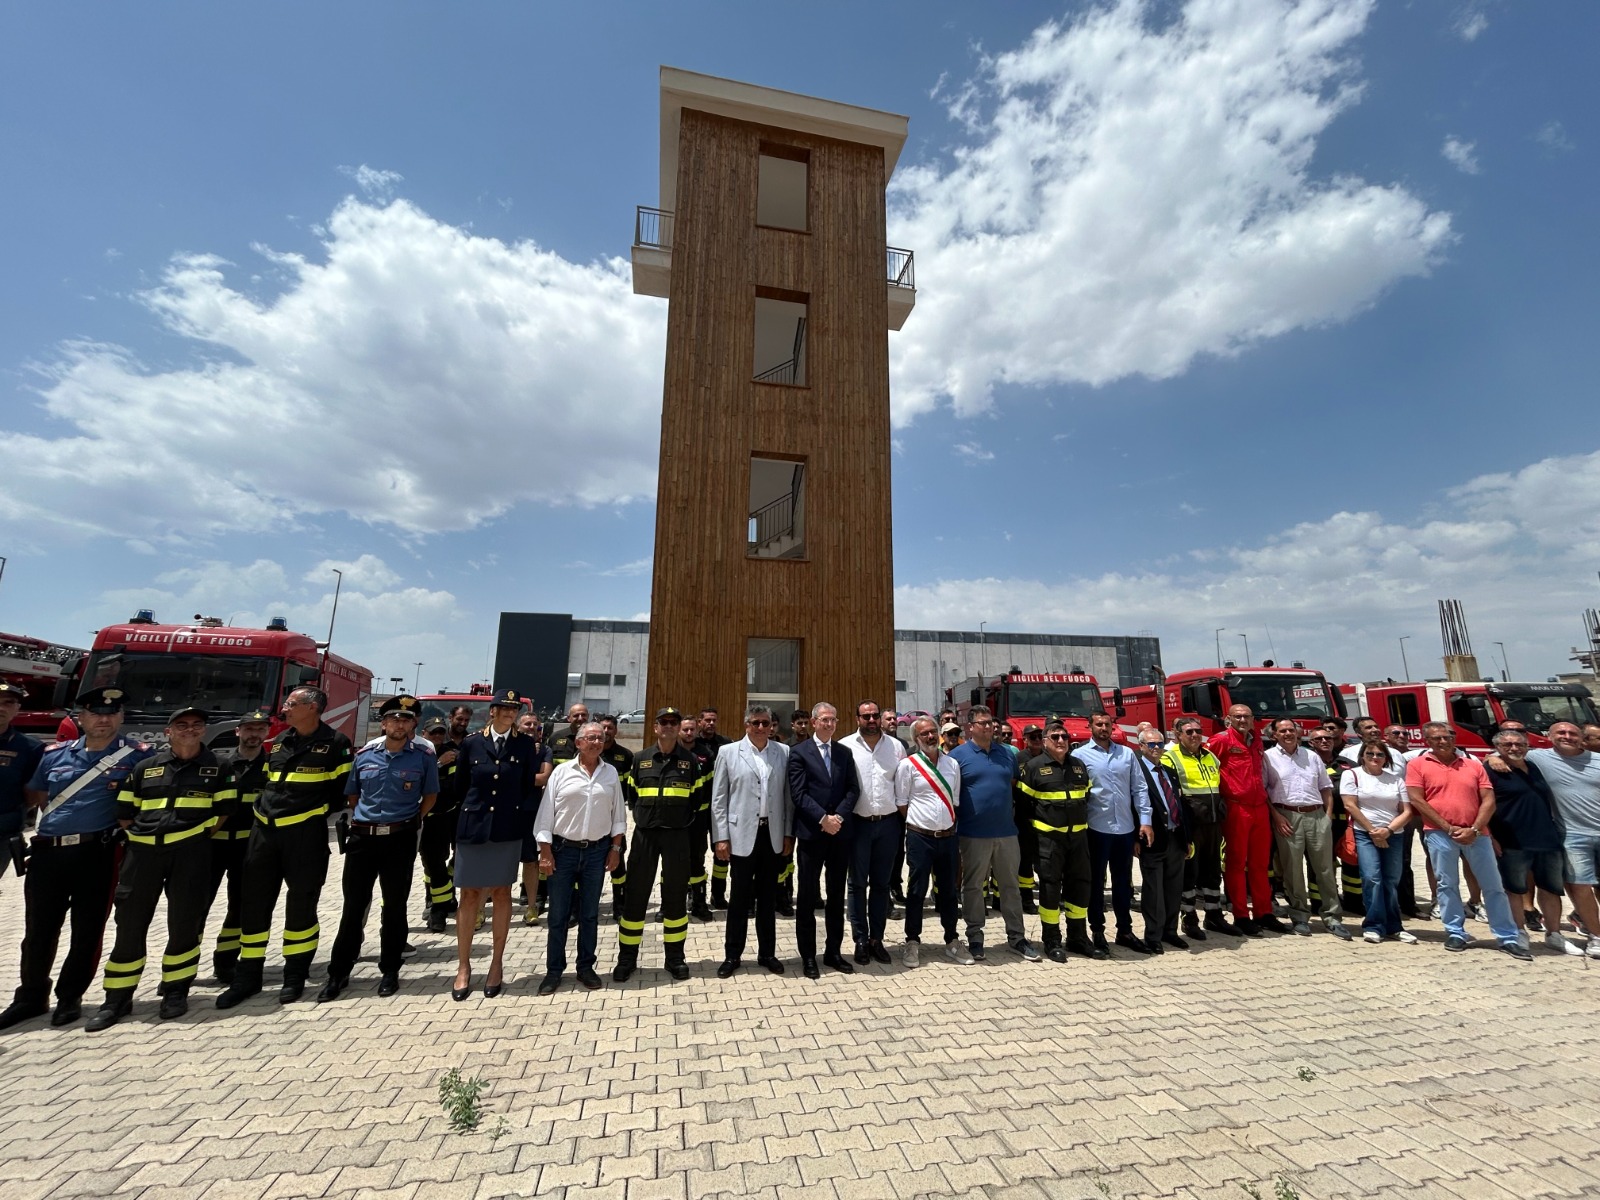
[1136, 192]
[417, 376]
[375, 184]
[973, 452]
[1518, 549]
[1471, 23]
[638, 566]
[1552, 136]
[1460, 154]
[367, 573]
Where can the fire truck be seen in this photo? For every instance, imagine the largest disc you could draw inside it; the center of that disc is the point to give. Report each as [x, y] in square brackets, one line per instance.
[1020, 699]
[439, 705]
[47, 672]
[1473, 710]
[226, 670]
[1207, 694]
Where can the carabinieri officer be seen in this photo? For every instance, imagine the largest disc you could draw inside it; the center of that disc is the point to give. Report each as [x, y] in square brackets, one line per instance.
[170, 805]
[306, 770]
[72, 864]
[392, 787]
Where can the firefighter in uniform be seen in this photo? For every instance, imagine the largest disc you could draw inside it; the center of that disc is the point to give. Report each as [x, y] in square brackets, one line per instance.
[306, 770]
[73, 858]
[230, 837]
[1057, 786]
[1022, 812]
[621, 758]
[708, 741]
[170, 804]
[1200, 785]
[391, 788]
[438, 836]
[700, 845]
[666, 788]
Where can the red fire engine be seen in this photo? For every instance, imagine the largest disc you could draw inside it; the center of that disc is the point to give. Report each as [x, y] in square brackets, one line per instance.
[47, 671]
[1020, 699]
[1207, 694]
[226, 670]
[439, 705]
[1472, 710]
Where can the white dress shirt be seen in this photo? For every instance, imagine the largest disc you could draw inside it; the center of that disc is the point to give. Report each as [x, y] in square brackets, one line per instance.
[580, 807]
[875, 769]
[923, 804]
[1295, 780]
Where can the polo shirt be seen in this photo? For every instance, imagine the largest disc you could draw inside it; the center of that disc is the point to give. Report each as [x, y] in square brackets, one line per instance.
[1575, 783]
[986, 780]
[1295, 780]
[389, 785]
[1450, 789]
[1117, 791]
[1524, 811]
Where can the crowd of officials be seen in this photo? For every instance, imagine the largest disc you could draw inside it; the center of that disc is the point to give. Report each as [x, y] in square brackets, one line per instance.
[862, 828]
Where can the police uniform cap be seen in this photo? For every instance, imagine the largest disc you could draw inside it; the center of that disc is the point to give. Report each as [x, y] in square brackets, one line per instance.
[190, 711]
[11, 689]
[400, 706]
[506, 698]
[103, 700]
[257, 716]
[669, 715]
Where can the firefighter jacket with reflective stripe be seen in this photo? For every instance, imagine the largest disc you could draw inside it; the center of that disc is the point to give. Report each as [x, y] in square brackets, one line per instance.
[249, 775]
[170, 799]
[305, 776]
[564, 747]
[667, 787]
[1059, 792]
[622, 759]
[1200, 783]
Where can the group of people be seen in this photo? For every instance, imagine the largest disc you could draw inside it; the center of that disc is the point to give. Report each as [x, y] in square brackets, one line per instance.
[851, 826]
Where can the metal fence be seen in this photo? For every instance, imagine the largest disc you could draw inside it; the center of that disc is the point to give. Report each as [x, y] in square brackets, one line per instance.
[652, 227]
[902, 268]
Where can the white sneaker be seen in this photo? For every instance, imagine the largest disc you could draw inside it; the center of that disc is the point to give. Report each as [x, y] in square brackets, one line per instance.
[1437, 914]
[1476, 912]
[1409, 939]
[1373, 936]
[1593, 948]
[1558, 941]
[910, 954]
[957, 952]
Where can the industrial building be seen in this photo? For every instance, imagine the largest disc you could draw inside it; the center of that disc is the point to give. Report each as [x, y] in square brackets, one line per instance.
[559, 659]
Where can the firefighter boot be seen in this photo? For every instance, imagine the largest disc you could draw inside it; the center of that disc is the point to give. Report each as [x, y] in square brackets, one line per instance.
[627, 964]
[1050, 935]
[676, 966]
[1078, 939]
[1191, 927]
[174, 1002]
[223, 965]
[698, 908]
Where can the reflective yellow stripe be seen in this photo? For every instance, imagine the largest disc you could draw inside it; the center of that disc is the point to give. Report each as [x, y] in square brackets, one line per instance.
[295, 819]
[680, 793]
[228, 835]
[1050, 916]
[1055, 797]
[166, 839]
[300, 941]
[1075, 912]
[1042, 827]
[696, 880]
[175, 967]
[338, 772]
[253, 945]
[227, 940]
[120, 975]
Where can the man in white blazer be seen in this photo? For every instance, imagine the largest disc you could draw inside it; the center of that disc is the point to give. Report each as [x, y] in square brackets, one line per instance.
[752, 824]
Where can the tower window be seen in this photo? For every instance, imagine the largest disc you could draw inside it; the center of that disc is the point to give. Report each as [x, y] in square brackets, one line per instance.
[781, 181]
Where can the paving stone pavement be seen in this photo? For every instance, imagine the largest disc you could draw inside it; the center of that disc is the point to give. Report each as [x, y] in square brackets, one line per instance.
[1323, 1068]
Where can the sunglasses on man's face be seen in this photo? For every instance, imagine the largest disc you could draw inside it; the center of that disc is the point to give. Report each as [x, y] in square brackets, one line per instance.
[759, 724]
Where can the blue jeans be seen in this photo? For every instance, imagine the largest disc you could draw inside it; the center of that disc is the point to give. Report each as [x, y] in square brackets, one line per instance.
[1446, 856]
[938, 859]
[873, 847]
[585, 866]
[1380, 881]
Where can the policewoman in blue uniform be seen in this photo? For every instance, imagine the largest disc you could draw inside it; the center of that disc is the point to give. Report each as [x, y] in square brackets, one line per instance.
[391, 788]
[306, 770]
[230, 839]
[72, 860]
[169, 805]
[498, 766]
[19, 758]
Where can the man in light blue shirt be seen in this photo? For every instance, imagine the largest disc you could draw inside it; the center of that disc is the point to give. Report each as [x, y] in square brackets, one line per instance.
[1119, 813]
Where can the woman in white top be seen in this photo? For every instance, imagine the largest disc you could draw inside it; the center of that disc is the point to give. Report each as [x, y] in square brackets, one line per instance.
[1374, 795]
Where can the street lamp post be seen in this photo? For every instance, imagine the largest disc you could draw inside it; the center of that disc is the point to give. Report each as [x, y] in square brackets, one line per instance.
[397, 680]
[418, 681]
[1505, 667]
[1220, 632]
[983, 647]
[1246, 638]
[1404, 665]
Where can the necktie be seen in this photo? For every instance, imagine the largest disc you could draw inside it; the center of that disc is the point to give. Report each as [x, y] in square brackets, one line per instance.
[1173, 819]
[827, 760]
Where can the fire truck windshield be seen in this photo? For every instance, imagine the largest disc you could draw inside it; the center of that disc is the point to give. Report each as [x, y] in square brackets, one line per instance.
[1053, 700]
[1299, 696]
[440, 710]
[1538, 713]
[156, 684]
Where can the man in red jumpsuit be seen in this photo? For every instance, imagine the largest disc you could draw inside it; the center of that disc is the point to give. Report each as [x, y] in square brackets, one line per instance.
[1247, 824]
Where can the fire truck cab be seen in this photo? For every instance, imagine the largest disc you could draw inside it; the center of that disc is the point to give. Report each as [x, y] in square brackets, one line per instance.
[1474, 710]
[44, 670]
[439, 705]
[1207, 694]
[1020, 699]
[225, 670]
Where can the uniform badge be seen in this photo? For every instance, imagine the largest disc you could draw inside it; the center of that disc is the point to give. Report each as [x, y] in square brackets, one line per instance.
[1047, 770]
[407, 785]
[207, 772]
[154, 772]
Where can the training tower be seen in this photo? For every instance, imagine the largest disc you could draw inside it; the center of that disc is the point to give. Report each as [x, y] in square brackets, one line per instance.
[773, 575]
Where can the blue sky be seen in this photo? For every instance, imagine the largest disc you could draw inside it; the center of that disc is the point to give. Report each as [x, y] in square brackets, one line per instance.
[1265, 315]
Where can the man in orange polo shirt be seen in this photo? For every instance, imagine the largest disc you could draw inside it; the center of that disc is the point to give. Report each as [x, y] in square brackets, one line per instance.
[1452, 795]
[1247, 823]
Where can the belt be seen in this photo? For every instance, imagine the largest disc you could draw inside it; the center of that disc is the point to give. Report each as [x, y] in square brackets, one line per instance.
[376, 829]
[73, 839]
[561, 841]
[933, 833]
[879, 817]
[1298, 807]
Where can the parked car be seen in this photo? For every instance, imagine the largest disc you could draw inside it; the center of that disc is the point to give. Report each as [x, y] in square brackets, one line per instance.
[906, 718]
[636, 717]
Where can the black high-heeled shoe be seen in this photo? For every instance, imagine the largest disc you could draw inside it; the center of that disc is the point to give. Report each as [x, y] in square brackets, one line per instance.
[461, 993]
[491, 990]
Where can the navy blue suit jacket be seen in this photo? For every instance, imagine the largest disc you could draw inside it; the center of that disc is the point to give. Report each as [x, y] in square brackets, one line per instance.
[817, 793]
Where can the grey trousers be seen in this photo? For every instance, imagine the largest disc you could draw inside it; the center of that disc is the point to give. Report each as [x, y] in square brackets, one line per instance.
[1310, 838]
[980, 857]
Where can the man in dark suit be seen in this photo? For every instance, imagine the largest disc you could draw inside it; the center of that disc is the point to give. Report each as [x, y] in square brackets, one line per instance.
[1161, 862]
[824, 790]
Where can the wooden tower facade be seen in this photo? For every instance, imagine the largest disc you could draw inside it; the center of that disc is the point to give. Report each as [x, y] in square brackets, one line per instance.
[773, 575]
